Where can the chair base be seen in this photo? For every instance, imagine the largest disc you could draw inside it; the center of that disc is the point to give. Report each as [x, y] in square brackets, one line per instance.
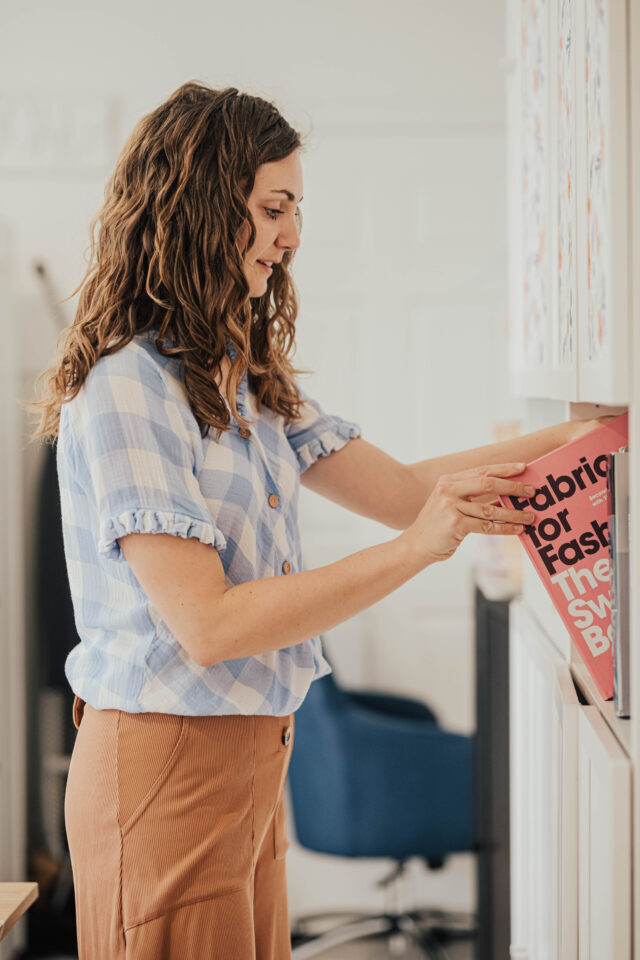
[426, 928]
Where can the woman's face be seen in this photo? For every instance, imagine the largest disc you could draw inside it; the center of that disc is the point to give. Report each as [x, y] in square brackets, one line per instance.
[273, 203]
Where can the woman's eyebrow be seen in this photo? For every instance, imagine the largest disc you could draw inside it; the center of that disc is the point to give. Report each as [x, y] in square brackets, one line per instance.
[290, 196]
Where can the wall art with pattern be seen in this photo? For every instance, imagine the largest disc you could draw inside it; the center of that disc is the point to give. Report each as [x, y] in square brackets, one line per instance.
[564, 325]
[535, 180]
[598, 251]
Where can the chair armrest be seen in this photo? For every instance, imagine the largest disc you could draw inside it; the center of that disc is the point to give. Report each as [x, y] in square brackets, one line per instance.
[392, 705]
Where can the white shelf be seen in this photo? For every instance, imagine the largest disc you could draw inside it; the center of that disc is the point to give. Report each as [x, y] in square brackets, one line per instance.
[619, 726]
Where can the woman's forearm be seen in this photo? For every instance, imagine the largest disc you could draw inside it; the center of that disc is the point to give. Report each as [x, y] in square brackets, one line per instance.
[523, 449]
[277, 612]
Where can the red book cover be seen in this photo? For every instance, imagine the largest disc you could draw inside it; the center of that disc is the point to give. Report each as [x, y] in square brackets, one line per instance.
[569, 540]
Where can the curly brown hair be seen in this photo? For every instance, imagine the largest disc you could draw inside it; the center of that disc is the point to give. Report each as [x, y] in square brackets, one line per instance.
[166, 256]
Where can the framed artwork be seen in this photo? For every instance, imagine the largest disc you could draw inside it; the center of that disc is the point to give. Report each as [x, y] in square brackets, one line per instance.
[568, 199]
[563, 320]
[598, 197]
[564, 195]
[603, 200]
[534, 84]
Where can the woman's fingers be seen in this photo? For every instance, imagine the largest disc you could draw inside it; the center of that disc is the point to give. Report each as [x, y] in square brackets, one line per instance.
[448, 516]
[493, 515]
[495, 469]
[490, 481]
[493, 527]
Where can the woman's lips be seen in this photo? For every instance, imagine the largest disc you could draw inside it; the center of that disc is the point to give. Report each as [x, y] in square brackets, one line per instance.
[264, 266]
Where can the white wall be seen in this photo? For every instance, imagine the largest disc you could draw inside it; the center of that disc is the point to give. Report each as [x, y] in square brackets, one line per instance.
[387, 88]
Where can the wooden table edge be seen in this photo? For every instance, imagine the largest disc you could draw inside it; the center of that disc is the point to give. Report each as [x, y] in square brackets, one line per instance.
[15, 900]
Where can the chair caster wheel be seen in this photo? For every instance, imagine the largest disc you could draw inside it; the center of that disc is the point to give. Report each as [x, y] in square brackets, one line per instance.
[397, 944]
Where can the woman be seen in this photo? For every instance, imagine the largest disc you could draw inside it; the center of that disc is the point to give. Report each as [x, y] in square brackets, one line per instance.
[199, 630]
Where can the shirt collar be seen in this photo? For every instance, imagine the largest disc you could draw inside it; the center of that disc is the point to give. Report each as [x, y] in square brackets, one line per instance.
[152, 335]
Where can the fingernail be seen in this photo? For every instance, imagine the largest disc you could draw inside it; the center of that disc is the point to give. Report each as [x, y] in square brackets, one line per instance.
[530, 489]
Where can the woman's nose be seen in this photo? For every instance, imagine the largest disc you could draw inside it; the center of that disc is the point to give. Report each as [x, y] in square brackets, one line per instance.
[290, 237]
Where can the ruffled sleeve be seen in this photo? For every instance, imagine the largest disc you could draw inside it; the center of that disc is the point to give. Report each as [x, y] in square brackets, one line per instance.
[154, 521]
[317, 434]
[138, 456]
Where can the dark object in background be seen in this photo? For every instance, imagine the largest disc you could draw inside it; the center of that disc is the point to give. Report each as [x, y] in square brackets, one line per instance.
[491, 777]
[54, 618]
[51, 923]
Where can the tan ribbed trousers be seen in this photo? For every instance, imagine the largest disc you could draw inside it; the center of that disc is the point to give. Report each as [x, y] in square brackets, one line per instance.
[176, 832]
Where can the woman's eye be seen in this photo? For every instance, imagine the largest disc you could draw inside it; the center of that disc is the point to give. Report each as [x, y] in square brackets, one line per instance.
[272, 210]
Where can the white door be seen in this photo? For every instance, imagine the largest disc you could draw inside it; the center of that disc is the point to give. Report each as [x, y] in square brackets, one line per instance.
[544, 709]
[604, 858]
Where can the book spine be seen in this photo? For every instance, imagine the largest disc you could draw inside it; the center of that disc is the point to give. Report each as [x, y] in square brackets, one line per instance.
[613, 583]
[620, 546]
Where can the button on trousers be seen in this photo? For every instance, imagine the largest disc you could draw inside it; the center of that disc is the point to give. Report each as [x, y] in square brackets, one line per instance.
[176, 832]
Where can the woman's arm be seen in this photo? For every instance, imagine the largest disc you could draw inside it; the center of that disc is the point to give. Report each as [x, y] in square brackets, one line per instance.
[364, 479]
[521, 449]
[185, 581]
[368, 481]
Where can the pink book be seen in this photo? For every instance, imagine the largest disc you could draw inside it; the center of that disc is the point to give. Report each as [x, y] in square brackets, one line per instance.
[569, 542]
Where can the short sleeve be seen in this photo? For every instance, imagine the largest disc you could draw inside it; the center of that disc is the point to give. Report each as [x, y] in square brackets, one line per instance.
[137, 455]
[317, 433]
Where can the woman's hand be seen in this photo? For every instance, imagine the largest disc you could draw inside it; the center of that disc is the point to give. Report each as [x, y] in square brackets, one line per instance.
[576, 428]
[448, 515]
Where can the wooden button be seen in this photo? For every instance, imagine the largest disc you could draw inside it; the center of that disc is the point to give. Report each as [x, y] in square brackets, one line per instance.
[244, 432]
[274, 500]
[286, 567]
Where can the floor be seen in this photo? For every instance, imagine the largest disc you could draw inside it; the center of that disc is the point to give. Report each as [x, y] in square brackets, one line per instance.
[377, 949]
[460, 945]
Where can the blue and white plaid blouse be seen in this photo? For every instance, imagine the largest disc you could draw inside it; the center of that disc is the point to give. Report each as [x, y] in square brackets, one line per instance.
[130, 458]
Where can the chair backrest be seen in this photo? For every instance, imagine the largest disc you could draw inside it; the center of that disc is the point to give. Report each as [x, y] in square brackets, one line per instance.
[349, 774]
[318, 775]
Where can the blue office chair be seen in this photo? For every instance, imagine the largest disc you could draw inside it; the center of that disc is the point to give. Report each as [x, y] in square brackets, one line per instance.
[374, 775]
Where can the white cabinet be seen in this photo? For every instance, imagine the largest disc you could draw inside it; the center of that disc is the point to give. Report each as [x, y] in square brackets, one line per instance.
[604, 853]
[570, 811]
[543, 808]
[566, 710]
[573, 134]
[568, 164]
